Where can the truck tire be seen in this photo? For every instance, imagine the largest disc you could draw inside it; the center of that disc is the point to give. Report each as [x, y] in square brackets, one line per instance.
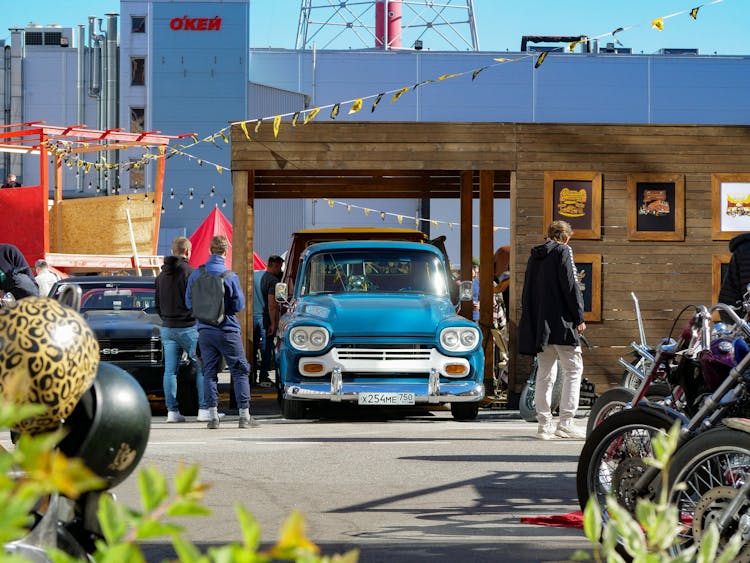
[464, 411]
[293, 410]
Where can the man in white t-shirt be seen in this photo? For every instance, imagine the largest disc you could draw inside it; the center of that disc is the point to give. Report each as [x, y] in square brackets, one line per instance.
[45, 278]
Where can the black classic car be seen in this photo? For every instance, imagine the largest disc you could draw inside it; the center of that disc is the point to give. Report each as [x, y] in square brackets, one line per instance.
[121, 311]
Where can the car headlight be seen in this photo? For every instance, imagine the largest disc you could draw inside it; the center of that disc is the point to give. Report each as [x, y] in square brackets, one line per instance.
[459, 338]
[309, 338]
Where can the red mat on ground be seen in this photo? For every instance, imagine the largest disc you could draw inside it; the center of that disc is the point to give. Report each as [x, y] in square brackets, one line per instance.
[570, 520]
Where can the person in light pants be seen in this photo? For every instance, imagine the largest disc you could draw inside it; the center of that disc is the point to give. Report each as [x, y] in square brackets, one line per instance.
[550, 327]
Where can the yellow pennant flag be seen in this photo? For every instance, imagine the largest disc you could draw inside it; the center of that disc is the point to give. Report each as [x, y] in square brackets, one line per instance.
[447, 76]
[573, 45]
[658, 23]
[243, 125]
[400, 219]
[349, 208]
[88, 167]
[540, 60]
[400, 93]
[311, 115]
[356, 106]
[694, 13]
[367, 212]
[257, 125]
[330, 203]
[219, 169]
[477, 71]
[223, 136]
[377, 101]
[501, 60]
[335, 111]
[382, 215]
[276, 124]
[295, 117]
[434, 223]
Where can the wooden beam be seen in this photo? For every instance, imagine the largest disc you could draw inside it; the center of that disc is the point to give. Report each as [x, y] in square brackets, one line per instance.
[467, 186]
[158, 197]
[486, 270]
[241, 243]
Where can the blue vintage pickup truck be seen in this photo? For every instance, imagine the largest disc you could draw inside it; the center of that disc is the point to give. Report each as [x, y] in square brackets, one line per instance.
[372, 322]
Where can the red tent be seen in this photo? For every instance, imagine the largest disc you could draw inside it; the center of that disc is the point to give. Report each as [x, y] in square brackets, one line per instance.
[215, 224]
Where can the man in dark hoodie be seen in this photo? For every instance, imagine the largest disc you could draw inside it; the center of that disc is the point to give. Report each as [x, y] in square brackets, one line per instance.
[737, 277]
[550, 325]
[178, 330]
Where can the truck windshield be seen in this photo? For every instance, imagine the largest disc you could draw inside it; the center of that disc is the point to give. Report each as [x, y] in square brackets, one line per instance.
[374, 271]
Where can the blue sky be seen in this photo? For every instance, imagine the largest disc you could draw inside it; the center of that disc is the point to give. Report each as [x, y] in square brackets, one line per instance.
[720, 28]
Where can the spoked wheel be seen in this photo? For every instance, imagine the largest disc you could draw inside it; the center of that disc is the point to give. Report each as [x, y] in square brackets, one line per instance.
[527, 402]
[713, 466]
[614, 400]
[612, 457]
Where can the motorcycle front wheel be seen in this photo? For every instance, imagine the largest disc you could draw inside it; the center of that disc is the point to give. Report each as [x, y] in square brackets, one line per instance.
[611, 461]
[616, 399]
[713, 466]
[527, 402]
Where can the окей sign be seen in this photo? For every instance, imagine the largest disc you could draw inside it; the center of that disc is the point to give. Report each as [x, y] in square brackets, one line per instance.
[195, 24]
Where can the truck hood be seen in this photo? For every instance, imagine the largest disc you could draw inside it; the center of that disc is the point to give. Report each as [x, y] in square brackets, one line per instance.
[122, 324]
[377, 314]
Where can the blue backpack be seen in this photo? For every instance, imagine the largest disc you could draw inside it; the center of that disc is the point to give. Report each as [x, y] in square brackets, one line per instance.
[207, 296]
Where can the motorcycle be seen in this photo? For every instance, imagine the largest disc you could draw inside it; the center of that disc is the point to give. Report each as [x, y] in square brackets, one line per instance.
[107, 428]
[612, 459]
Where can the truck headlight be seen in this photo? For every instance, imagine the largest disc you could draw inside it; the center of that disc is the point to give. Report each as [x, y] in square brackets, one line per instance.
[459, 338]
[309, 338]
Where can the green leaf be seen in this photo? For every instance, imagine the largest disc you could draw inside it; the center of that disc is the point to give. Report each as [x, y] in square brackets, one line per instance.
[187, 507]
[122, 553]
[731, 549]
[249, 527]
[154, 528]
[111, 519]
[185, 550]
[580, 555]
[153, 487]
[185, 479]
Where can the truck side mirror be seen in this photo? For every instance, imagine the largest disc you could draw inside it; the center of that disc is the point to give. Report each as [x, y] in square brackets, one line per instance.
[464, 291]
[281, 293]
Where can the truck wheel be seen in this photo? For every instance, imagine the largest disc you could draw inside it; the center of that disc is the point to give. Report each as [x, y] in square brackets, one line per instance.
[293, 410]
[464, 411]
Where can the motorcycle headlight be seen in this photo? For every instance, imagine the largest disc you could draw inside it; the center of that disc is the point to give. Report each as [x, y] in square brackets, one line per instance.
[309, 338]
[459, 339]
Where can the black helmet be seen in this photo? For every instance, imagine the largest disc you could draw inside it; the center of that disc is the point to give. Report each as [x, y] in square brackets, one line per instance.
[48, 356]
[109, 427]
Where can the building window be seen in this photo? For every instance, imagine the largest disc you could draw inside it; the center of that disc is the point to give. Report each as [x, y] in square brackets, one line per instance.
[137, 24]
[137, 120]
[137, 71]
[137, 176]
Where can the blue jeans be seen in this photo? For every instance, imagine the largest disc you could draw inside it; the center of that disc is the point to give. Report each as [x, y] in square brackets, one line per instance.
[174, 341]
[216, 343]
[259, 339]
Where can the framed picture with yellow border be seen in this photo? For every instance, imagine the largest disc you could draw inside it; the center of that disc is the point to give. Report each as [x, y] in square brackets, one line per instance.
[719, 266]
[656, 207]
[589, 268]
[575, 197]
[730, 205]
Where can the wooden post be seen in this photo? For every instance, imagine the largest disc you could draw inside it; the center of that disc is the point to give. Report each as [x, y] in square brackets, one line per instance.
[467, 195]
[158, 197]
[242, 243]
[486, 270]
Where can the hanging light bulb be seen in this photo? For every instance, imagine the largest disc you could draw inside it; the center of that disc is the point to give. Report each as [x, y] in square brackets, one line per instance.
[213, 191]
[90, 186]
[180, 206]
[190, 196]
[382, 215]
[171, 193]
[162, 210]
[224, 203]
[202, 204]
[145, 196]
[98, 189]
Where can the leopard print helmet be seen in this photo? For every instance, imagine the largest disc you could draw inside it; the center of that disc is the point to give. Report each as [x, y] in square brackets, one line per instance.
[48, 356]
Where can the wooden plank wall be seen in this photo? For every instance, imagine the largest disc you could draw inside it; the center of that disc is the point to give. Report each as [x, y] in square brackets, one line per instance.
[666, 276]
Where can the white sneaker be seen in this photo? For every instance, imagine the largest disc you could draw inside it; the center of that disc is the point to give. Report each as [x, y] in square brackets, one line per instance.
[175, 416]
[204, 416]
[569, 432]
[545, 433]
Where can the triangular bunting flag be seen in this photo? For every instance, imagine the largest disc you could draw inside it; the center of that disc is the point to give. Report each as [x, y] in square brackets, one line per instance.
[335, 111]
[311, 115]
[540, 60]
[356, 106]
[257, 126]
[447, 76]
[295, 117]
[694, 13]
[243, 126]
[477, 71]
[276, 124]
[398, 94]
[377, 101]
[658, 23]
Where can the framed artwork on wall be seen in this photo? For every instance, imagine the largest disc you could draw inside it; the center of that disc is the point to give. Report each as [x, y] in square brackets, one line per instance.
[656, 207]
[575, 197]
[589, 268]
[719, 265]
[730, 205]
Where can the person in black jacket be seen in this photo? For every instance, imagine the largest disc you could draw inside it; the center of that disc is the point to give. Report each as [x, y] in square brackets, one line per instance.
[737, 277]
[178, 330]
[16, 276]
[549, 328]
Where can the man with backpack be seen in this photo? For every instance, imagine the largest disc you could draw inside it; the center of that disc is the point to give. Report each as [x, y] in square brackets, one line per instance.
[215, 297]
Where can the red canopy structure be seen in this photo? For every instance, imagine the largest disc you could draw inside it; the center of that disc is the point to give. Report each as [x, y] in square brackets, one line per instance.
[213, 225]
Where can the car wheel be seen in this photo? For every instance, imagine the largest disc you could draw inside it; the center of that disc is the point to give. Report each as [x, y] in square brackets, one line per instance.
[464, 411]
[293, 410]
